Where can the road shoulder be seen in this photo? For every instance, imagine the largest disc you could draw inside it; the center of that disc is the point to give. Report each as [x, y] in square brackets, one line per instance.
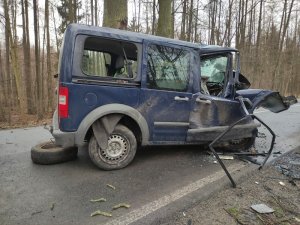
[232, 206]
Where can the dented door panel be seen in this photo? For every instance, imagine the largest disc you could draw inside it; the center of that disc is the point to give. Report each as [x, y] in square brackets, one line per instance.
[211, 115]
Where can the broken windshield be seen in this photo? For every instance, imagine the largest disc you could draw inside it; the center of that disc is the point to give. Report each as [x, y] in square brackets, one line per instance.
[213, 74]
[213, 68]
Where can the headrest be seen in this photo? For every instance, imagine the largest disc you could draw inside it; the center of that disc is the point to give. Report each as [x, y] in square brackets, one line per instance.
[119, 62]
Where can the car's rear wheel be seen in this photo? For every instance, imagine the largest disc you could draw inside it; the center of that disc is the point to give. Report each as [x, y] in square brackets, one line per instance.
[48, 153]
[121, 149]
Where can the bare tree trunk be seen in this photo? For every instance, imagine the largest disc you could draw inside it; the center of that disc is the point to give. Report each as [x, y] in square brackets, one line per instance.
[153, 17]
[147, 19]
[283, 16]
[96, 13]
[26, 55]
[44, 97]
[115, 14]
[213, 16]
[279, 54]
[37, 61]
[17, 82]
[244, 22]
[182, 33]
[196, 23]
[3, 94]
[258, 73]
[259, 27]
[8, 77]
[173, 19]
[250, 27]
[286, 24]
[55, 31]
[164, 27]
[189, 35]
[32, 104]
[92, 11]
[49, 78]
[139, 16]
[238, 25]
[228, 24]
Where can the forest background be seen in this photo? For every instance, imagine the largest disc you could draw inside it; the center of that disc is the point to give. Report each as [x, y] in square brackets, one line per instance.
[267, 33]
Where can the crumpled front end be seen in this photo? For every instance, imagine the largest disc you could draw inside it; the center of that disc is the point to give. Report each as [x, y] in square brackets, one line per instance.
[267, 99]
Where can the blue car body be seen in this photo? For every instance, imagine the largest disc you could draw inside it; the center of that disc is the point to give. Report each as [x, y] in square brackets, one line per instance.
[157, 116]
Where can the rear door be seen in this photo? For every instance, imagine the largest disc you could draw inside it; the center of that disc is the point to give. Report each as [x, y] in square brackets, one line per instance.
[166, 93]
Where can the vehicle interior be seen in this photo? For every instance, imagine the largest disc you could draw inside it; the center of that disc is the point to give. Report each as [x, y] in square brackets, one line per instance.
[213, 73]
[109, 58]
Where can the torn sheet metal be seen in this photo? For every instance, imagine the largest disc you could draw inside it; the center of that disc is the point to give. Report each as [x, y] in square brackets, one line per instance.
[104, 127]
[267, 99]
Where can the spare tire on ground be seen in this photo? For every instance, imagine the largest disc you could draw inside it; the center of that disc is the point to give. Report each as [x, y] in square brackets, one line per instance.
[49, 153]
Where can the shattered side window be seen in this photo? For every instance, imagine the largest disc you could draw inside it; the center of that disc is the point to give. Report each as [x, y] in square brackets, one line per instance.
[168, 68]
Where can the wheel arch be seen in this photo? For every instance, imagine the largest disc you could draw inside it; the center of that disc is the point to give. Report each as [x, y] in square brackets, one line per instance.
[128, 113]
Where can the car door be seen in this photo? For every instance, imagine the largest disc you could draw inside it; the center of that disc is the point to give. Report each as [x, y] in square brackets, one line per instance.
[214, 107]
[166, 92]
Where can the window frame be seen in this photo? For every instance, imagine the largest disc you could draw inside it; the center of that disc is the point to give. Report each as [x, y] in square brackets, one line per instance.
[228, 73]
[79, 75]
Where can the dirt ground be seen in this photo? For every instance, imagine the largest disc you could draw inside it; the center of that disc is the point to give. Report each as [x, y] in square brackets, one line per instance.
[268, 186]
[18, 121]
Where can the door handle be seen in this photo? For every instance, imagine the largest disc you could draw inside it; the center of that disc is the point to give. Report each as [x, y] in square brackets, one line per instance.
[177, 98]
[205, 101]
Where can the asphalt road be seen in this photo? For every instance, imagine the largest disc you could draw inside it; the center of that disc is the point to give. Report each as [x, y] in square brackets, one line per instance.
[159, 180]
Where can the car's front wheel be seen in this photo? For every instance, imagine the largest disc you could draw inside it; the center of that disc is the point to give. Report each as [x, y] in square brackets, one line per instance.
[120, 152]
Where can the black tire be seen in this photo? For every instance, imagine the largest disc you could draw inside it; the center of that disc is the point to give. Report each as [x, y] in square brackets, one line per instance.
[48, 153]
[121, 151]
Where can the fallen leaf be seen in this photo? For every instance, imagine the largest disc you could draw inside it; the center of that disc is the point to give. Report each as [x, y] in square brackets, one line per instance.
[111, 186]
[121, 205]
[98, 200]
[52, 206]
[101, 213]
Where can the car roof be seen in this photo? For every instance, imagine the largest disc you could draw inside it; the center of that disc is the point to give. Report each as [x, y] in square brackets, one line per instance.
[140, 37]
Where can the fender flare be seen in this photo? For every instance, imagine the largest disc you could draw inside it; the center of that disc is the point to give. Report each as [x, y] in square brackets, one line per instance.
[101, 111]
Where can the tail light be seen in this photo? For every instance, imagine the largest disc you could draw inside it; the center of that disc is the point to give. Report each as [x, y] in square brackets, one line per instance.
[63, 102]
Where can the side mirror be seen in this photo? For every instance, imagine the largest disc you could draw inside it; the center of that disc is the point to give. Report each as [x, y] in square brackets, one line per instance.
[243, 82]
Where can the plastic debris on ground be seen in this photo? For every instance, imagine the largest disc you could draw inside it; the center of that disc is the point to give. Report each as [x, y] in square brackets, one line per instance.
[226, 157]
[281, 183]
[262, 208]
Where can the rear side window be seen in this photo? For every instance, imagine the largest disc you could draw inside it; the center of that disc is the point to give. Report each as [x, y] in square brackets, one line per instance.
[109, 58]
[167, 68]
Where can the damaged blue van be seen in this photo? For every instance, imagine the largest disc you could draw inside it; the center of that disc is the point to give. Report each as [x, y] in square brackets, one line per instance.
[118, 90]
